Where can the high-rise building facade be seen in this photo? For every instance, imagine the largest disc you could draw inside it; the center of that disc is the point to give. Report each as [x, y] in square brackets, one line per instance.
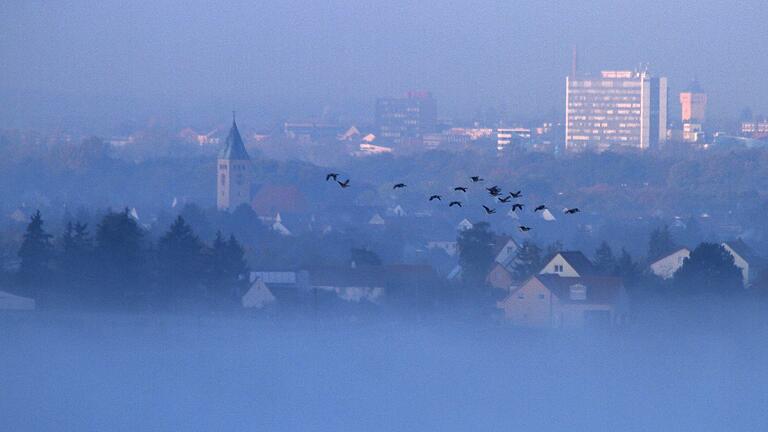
[693, 104]
[233, 184]
[408, 117]
[616, 109]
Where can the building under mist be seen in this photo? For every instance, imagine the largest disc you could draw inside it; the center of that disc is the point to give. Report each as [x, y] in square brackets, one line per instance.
[234, 165]
[693, 104]
[406, 117]
[616, 109]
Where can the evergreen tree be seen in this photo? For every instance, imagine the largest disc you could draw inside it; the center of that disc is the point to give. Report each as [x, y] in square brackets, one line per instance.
[35, 253]
[180, 262]
[626, 268]
[660, 243]
[228, 271]
[528, 261]
[120, 258]
[475, 254]
[76, 260]
[605, 262]
[709, 270]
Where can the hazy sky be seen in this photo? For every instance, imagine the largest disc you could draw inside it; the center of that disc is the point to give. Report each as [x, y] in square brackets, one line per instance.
[88, 58]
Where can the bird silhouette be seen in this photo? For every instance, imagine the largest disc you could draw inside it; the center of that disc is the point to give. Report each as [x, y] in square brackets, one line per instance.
[460, 189]
[344, 184]
[436, 197]
[540, 208]
[505, 199]
[489, 210]
[476, 179]
[399, 186]
[524, 228]
[517, 206]
[334, 176]
[571, 210]
[455, 203]
[493, 190]
[517, 194]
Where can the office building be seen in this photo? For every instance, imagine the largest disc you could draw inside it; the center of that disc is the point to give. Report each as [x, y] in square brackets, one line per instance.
[411, 116]
[615, 109]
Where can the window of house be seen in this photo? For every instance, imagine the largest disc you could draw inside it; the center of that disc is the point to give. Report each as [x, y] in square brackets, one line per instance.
[558, 268]
[542, 296]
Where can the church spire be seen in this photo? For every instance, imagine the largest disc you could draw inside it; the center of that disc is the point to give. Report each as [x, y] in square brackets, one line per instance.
[234, 149]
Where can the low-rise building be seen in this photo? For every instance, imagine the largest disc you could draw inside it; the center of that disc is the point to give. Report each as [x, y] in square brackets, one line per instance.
[666, 266]
[553, 301]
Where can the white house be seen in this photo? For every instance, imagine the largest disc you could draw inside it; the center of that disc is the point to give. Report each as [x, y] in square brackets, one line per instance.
[569, 264]
[257, 296]
[666, 266]
[506, 251]
[464, 225]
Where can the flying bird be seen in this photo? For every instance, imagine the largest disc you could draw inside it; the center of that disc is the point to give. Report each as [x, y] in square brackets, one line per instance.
[493, 190]
[344, 184]
[540, 208]
[517, 194]
[505, 199]
[454, 203]
[334, 176]
[571, 210]
[524, 228]
[489, 210]
[476, 179]
[517, 206]
[399, 185]
[436, 197]
[460, 189]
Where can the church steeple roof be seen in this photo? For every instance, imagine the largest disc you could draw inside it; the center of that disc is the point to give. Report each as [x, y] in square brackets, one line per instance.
[234, 149]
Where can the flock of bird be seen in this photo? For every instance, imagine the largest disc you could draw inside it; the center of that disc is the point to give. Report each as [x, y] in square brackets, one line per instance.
[494, 191]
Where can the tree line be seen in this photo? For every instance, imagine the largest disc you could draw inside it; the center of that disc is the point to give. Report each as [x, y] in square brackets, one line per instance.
[117, 265]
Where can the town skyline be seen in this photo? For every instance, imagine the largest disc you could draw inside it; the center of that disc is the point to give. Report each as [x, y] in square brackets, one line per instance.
[273, 69]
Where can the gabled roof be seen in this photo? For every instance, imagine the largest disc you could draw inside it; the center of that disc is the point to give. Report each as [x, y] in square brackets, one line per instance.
[578, 261]
[671, 251]
[744, 251]
[234, 149]
[599, 290]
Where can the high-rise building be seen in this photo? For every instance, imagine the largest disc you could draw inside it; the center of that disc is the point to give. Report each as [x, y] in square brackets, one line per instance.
[693, 102]
[234, 168]
[408, 117]
[618, 108]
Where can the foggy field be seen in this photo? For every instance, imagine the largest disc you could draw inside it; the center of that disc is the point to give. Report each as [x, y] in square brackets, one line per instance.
[152, 372]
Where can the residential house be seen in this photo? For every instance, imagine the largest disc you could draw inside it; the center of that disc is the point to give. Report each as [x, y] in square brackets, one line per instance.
[258, 296]
[569, 264]
[666, 266]
[553, 301]
[500, 277]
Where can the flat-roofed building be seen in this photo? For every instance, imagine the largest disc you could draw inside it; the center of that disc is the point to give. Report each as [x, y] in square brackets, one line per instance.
[616, 109]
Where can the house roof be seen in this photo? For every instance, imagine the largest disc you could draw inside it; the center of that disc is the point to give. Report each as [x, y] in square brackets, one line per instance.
[234, 149]
[671, 251]
[578, 261]
[600, 290]
[744, 251]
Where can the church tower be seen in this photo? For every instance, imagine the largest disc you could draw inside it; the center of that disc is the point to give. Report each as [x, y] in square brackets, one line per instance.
[234, 169]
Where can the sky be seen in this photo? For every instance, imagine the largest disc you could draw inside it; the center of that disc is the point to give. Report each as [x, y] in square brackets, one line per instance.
[111, 60]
